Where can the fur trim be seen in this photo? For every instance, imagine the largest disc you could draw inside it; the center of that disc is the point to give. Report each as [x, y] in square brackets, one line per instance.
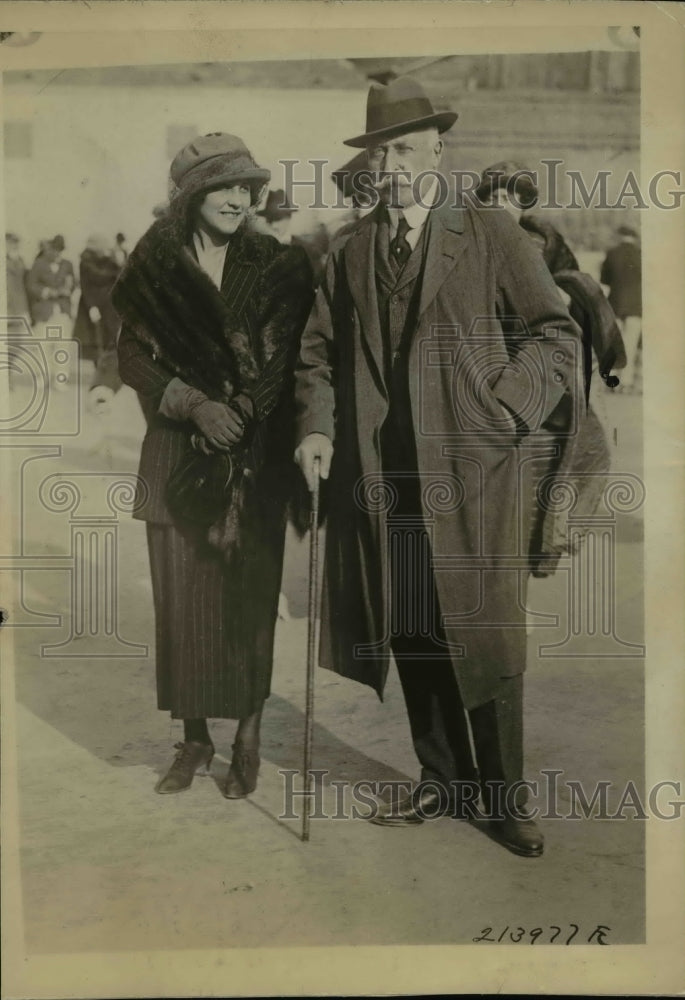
[220, 341]
[216, 340]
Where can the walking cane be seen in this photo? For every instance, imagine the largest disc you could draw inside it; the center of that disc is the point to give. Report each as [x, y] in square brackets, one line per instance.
[311, 644]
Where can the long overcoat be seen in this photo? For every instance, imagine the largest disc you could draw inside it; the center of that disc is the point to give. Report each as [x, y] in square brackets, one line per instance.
[42, 276]
[98, 273]
[217, 590]
[491, 329]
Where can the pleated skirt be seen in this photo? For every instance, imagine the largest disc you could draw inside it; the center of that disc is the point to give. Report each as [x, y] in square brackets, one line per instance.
[214, 625]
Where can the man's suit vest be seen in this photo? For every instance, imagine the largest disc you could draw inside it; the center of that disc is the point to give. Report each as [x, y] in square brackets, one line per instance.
[398, 300]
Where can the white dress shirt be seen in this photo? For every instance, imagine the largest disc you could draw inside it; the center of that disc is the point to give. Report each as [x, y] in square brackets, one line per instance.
[415, 215]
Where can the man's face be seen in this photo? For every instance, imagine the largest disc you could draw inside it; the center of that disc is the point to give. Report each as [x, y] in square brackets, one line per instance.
[223, 210]
[400, 161]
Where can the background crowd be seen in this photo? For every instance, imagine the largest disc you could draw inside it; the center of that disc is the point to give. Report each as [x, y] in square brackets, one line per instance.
[51, 290]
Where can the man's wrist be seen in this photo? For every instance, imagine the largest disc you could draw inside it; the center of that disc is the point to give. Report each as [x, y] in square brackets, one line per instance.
[316, 423]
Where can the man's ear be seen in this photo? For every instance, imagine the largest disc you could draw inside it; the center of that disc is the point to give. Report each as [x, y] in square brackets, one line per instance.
[438, 147]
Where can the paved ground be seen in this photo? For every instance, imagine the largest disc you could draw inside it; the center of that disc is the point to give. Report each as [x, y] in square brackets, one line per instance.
[108, 865]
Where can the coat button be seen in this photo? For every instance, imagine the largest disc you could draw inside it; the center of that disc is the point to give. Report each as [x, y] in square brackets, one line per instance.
[396, 356]
[558, 377]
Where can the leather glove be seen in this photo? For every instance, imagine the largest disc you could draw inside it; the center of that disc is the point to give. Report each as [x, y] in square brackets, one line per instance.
[220, 424]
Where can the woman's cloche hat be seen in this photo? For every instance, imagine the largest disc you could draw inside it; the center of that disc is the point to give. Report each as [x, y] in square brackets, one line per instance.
[511, 176]
[399, 107]
[215, 160]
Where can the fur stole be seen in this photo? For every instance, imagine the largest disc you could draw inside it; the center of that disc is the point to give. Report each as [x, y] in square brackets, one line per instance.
[221, 340]
[216, 340]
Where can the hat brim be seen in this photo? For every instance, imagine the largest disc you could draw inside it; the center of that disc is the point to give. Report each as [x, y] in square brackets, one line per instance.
[442, 120]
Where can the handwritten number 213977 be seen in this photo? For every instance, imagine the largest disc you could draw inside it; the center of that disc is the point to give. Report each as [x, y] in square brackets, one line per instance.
[549, 935]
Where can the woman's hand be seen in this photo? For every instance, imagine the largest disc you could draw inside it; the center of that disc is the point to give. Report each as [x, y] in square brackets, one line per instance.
[222, 426]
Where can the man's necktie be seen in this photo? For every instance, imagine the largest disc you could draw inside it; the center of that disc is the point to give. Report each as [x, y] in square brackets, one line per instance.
[400, 250]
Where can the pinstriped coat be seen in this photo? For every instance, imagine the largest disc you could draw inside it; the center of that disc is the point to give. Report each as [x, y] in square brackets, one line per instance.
[241, 339]
[215, 604]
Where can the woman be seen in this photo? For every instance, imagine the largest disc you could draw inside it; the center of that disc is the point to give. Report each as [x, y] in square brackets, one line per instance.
[212, 314]
[602, 341]
[509, 185]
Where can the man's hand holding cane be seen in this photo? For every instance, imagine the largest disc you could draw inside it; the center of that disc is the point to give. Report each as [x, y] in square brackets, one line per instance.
[312, 447]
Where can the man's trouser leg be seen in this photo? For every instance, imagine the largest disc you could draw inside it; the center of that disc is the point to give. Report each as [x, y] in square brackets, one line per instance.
[437, 718]
[497, 729]
[437, 721]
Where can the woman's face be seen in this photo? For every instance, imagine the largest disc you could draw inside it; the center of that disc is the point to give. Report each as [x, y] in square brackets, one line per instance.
[223, 210]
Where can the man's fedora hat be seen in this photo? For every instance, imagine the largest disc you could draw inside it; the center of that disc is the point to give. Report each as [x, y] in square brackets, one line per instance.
[399, 107]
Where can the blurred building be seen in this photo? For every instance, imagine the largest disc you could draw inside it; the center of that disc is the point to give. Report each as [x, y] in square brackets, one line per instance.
[88, 149]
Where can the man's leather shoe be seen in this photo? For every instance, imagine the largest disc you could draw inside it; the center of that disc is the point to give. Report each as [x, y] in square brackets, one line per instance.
[423, 803]
[242, 774]
[191, 759]
[519, 835]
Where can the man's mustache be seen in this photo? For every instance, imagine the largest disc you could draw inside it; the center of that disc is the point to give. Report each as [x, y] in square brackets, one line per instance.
[383, 181]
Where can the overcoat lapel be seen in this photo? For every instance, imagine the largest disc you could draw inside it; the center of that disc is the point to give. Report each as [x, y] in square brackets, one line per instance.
[384, 272]
[445, 245]
[359, 254]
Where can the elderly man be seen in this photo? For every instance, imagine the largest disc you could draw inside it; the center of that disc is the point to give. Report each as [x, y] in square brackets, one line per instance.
[437, 346]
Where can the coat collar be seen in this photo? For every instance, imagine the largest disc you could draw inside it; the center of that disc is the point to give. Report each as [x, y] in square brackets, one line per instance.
[360, 266]
[444, 246]
[445, 243]
[171, 234]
